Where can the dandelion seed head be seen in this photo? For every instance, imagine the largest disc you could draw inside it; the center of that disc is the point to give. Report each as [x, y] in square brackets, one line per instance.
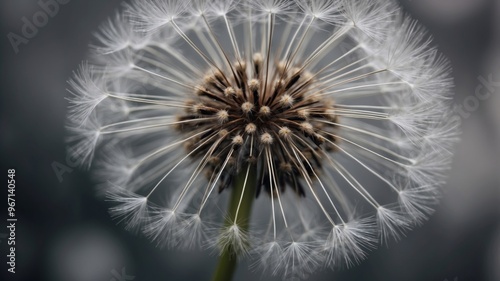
[333, 116]
[285, 132]
[286, 100]
[266, 139]
[222, 116]
[250, 128]
[265, 110]
[238, 140]
[247, 107]
[229, 91]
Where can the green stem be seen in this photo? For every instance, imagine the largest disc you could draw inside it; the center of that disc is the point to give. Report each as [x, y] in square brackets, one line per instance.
[225, 267]
[228, 258]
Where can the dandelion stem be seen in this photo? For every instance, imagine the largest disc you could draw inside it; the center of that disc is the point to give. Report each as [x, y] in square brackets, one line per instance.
[240, 207]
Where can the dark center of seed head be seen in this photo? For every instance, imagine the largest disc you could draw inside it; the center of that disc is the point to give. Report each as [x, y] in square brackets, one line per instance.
[284, 119]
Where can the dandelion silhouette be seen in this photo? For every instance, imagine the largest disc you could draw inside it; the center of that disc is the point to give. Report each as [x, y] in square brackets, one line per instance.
[323, 126]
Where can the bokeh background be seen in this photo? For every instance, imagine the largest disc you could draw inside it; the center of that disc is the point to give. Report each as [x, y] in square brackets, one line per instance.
[64, 232]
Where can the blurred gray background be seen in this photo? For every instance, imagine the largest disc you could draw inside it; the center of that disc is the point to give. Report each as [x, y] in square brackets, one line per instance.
[64, 232]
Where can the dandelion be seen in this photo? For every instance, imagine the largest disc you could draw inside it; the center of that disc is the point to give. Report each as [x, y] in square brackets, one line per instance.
[299, 133]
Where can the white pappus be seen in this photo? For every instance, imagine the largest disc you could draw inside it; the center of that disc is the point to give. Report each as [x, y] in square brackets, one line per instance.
[336, 111]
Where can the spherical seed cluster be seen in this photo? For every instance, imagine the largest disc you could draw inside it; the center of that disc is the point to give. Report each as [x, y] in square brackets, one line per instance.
[337, 111]
[256, 116]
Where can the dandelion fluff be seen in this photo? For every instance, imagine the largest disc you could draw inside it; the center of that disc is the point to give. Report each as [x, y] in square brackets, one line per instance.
[302, 133]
